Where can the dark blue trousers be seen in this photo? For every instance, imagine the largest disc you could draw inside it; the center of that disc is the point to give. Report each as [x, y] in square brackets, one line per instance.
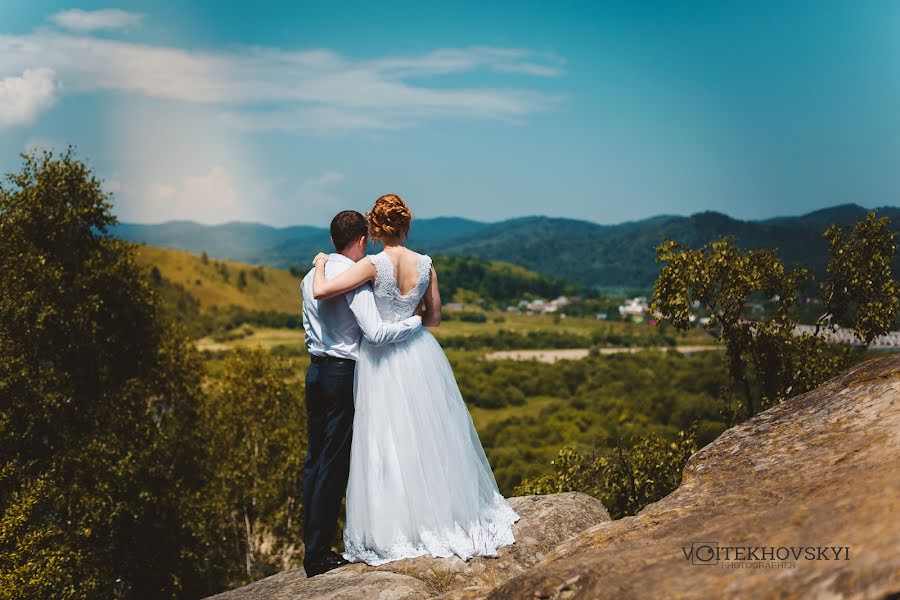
[329, 414]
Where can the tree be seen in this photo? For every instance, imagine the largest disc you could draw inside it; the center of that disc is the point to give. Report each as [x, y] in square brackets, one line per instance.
[860, 290]
[768, 360]
[255, 425]
[98, 403]
[155, 276]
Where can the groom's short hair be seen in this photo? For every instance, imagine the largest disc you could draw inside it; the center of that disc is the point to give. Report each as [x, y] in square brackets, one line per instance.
[347, 226]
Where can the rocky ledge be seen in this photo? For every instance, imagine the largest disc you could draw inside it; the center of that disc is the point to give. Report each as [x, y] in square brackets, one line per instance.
[820, 470]
[545, 522]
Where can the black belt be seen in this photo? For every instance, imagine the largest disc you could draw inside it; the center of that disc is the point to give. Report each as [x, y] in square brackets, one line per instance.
[331, 360]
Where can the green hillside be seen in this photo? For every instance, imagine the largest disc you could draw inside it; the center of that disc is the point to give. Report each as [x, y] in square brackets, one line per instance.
[209, 295]
[219, 283]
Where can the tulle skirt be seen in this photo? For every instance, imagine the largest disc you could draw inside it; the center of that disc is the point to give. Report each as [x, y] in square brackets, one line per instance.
[420, 482]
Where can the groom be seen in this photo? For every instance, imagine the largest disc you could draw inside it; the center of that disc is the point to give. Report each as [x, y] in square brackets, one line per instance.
[334, 328]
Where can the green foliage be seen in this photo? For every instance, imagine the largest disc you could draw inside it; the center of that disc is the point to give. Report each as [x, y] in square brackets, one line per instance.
[254, 426]
[588, 404]
[226, 323]
[233, 317]
[495, 283]
[98, 403]
[493, 384]
[624, 479]
[767, 360]
[180, 306]
[471, 316]
[223, 271]
[234, 333]
[860, 290]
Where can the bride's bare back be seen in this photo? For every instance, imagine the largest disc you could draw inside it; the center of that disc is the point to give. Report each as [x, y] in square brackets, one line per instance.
[406, 267]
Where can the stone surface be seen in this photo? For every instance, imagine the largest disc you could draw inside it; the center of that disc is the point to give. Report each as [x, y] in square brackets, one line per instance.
[339, 584]
[545, 522]
[822, 469]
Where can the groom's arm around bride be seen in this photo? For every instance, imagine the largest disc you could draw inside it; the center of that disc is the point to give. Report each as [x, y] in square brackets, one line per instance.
[334, 329]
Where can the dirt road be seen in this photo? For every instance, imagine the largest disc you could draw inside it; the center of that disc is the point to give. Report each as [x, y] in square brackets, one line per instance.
[552, 355]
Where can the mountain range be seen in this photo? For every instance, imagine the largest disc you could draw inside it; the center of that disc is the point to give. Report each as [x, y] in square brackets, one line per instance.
[621, 255]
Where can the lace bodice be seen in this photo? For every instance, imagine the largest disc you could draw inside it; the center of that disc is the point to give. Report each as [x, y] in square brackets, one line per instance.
[393, 305]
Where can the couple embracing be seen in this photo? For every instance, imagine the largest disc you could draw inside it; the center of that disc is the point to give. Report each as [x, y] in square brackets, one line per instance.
[386, 421]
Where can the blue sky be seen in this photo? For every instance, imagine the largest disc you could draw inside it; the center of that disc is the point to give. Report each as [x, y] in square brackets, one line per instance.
[284, 113]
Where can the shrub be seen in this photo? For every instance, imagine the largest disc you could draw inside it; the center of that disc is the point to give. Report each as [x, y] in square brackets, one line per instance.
[624, 479]
[472, 316]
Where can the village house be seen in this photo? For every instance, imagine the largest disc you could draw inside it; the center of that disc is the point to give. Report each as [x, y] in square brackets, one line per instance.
[634, 309]
[540, 306]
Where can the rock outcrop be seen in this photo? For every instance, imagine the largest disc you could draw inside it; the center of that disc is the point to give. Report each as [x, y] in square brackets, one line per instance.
[545, 522]
[820, 470]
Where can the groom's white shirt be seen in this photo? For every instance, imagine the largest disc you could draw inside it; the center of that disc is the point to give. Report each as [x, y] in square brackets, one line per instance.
[335, 326]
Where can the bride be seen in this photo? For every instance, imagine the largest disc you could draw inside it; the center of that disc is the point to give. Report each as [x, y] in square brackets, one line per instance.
[420, 482]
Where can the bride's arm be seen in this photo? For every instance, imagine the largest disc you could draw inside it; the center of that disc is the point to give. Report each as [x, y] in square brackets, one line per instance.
[432, 316]
[374, 329]
[350, 279]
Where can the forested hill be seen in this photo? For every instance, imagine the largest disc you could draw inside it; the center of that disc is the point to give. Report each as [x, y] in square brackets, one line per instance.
[578, 251]
[205, 293]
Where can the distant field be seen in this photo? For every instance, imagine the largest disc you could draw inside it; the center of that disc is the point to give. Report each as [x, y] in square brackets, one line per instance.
[521, 323]
[261, 337]
[215, 282]
[293, 338]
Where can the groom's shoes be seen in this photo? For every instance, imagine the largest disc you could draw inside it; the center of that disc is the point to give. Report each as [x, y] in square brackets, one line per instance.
[326, 563]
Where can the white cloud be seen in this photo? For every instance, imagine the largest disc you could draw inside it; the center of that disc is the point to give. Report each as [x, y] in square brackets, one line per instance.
[320, 121]
[83, 21]
[213, 188]
[23, 97]
[318, 200]
[458, 60]
[307, 92]
[209, 197]
[325, 180]
[162, 191]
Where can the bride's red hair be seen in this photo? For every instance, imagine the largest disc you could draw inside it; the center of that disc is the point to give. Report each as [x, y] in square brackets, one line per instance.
[389, 219]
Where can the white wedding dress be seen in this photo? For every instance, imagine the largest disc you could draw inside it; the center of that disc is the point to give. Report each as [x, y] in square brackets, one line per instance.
[420, 482]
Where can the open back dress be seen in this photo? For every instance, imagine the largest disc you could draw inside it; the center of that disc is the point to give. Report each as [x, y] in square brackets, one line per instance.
[420, 483]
